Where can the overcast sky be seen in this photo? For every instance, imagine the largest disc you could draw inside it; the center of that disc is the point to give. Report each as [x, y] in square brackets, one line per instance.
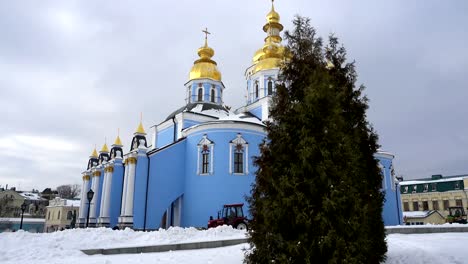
[73, 72]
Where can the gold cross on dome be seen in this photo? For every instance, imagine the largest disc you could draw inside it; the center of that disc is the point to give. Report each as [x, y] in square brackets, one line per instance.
[206, 33]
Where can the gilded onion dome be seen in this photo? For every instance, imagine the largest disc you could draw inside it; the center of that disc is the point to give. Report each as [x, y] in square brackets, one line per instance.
[205, 67]
[272, 52]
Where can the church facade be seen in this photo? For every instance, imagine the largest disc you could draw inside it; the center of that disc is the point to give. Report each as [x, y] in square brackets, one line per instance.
[196, 160]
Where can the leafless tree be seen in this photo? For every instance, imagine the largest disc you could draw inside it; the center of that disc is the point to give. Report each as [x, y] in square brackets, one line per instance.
[68, 191]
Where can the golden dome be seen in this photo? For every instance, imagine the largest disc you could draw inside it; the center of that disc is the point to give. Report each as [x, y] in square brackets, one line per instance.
[272, 52]
[140, 129]
[205, 67]
[258, 55]
[273, 16]
[118, 142]
[104, 148]
[94, 154]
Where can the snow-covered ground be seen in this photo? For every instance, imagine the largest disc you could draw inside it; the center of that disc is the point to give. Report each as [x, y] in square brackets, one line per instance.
[64, 247]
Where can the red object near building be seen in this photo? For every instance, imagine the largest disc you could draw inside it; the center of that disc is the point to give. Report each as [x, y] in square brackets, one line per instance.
[231, 214]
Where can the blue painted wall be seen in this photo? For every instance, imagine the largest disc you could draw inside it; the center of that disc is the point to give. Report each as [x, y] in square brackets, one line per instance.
[116, 193]
[392, 211]
[165, 137]
[257, 112]
[166, 181]
[189, 123]
[139, 195]
[205, 194]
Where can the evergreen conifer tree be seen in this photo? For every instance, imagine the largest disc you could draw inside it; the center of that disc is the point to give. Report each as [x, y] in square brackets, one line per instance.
[317, 196]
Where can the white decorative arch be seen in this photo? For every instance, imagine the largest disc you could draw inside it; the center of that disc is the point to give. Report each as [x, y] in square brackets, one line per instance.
[240, 144]
[205, 145]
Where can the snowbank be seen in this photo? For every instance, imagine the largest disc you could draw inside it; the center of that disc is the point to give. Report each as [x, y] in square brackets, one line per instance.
[23, 246]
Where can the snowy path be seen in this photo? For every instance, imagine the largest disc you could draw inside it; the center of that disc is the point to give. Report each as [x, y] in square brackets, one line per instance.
[64, 247]
[427, 248]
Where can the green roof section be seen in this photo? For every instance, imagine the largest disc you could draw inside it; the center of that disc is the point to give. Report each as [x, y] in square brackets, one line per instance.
[437, 183]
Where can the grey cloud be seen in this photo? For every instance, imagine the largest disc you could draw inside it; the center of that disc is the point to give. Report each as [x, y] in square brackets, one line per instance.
[76, 71]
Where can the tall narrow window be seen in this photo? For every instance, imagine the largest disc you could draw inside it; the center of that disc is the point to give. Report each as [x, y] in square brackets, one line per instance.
[190, 96]
[238, 156]
[238, 160]
[256, 89]
[205, 156]
[200, 94]
[270, 86]
[205, 162]
[58, 217]
[212, 95]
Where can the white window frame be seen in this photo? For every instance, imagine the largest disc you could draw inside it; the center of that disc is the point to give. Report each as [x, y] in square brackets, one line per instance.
[232, 145]
[205, 141]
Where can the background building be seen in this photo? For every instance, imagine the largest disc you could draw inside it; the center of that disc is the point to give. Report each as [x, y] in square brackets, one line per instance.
[437, 193]
[11, 201]
[60, 214]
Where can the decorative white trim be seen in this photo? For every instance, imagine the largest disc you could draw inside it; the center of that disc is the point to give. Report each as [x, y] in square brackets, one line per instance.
[239, 140]
[205, 141]
[224, 125]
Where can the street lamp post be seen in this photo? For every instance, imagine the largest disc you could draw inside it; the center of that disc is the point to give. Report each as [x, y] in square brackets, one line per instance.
[23, 207]
[89, 195]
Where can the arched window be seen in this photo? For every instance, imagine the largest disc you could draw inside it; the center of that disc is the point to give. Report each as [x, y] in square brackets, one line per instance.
[270, 86]
[200, 94]
[212, 96]
[205, 156]
[238, 156]
[190, 96]
[256, 89]
[69, 215]
[58, 217]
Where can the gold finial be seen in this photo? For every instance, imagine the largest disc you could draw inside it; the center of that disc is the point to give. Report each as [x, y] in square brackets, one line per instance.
[94, 154]
[140, 129]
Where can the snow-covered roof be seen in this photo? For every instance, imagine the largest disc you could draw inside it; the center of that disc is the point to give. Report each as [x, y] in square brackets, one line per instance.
[243, 117]
[64, 202]
[416, 214]
[31, 196]
[208, 109]
[431, 181]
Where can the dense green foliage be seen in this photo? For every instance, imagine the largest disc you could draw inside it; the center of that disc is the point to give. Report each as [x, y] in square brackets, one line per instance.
[317, 195]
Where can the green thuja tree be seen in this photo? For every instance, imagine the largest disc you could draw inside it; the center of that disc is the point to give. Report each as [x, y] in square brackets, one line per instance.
[317, 198]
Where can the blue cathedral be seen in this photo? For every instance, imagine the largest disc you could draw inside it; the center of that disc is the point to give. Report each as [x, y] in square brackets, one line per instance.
[201, 156]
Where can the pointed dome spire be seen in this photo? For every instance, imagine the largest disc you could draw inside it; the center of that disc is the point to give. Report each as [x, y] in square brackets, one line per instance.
[118, 142]
[140, 130]
[273, 16]
[94, 154]
[205, 67]
[104, 149]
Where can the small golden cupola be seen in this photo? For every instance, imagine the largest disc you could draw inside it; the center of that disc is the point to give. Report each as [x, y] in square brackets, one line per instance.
[93, 159]
[116, 150]
[139, 137]
[104, 154]
[205, 67]
[272, 52]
